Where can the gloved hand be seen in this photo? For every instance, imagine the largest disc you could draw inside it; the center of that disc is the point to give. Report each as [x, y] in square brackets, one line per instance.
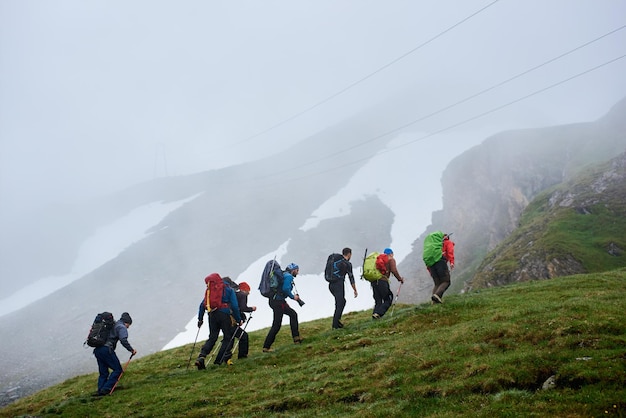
[200, 322]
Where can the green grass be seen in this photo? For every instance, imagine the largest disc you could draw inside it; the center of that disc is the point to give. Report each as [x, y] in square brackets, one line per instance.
[581, 233]
[483, 354]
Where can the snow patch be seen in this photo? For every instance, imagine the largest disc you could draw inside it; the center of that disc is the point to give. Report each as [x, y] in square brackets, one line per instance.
[104, 245]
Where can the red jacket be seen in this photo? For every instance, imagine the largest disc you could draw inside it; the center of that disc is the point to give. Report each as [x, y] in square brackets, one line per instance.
[448, 250]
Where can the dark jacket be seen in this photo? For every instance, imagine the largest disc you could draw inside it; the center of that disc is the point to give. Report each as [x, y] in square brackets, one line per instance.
[242, 300]
[119, 333]
[345, 267]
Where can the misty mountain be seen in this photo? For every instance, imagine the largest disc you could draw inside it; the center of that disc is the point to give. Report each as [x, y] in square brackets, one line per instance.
[487, 188]
[236, 215]
[576, 227]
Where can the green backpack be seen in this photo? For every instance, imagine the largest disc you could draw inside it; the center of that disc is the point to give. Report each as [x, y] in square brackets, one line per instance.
[433, 245]
[370, 272]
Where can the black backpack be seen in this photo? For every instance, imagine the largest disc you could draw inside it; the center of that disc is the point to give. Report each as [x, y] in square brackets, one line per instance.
[100, 329]
[331, 274]
[231, 283]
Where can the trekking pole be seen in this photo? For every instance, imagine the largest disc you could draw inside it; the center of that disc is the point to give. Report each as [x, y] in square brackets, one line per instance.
[193, 348]
[121, 374]
[215, 351]
[396, 299]
[363, 268]
[300, 301]
[244, 330]
[229, 345]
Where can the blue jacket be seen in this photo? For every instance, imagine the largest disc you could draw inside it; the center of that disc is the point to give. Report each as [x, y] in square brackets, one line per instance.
[229, 297]
[287, 287]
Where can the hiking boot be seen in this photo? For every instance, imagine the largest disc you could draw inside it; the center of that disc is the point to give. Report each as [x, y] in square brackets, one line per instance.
[340, 324]
[375, 316]
[229, 362]
[435, 298]
[200, 363]
[298, 340]
[267, 350]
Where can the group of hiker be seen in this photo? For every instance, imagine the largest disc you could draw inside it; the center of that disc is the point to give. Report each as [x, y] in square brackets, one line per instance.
[226, 304]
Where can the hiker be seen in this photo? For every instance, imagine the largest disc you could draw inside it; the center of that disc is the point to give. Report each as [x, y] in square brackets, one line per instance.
[337, 266]
[383, 296]
[242, 300]
[106, 357]
[279, 306]
[221, 311]
[443, 254]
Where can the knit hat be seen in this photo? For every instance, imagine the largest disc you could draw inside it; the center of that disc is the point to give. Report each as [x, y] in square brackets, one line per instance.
[388, 251]
[126, 318]
[245, 287]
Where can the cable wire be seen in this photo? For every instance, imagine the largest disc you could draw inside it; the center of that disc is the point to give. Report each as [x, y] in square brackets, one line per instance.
[455, 125]
[448, 107]
[370, 75]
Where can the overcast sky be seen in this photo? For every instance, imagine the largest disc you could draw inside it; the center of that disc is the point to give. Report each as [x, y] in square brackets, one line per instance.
[99, 95]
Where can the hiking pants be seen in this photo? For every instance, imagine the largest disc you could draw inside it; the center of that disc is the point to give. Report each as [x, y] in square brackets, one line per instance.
[383, 296]
[338, 290]
[219, 321]
[243, 342]
[280, 308]
[107, 359]
[441, 276]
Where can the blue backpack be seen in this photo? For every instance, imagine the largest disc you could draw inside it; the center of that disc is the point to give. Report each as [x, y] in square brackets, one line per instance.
[271, 279]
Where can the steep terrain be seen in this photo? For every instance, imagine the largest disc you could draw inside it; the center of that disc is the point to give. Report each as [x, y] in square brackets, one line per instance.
[237, 216]
[531, 349]
[577, 227]
[486, 189]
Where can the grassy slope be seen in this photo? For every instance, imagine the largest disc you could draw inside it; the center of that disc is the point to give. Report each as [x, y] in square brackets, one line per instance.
[561, 232]
[485, 353]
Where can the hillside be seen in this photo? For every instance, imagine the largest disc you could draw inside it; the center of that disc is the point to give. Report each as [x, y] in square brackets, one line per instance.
[235, 216]
[230, 222]
[487, 188]
[576, 227]
[539, 348]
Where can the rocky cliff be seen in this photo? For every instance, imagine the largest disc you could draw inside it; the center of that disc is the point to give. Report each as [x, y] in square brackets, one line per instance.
[576, 227]
[486, 190]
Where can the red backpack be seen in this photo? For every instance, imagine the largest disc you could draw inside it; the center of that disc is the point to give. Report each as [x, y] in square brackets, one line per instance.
[214, 293]
[381, 263]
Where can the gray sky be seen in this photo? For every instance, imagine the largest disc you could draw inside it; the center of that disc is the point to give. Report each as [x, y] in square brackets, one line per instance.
[99, 95]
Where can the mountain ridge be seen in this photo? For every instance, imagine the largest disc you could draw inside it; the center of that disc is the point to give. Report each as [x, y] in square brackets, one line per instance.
[226, 228]
[486, 189]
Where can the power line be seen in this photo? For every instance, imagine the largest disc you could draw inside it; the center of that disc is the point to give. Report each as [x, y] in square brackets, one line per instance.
[370, 75]
[455, 125]
[448, 107]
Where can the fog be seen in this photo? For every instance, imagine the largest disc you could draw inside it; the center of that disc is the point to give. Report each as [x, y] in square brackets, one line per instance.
[97, 96]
